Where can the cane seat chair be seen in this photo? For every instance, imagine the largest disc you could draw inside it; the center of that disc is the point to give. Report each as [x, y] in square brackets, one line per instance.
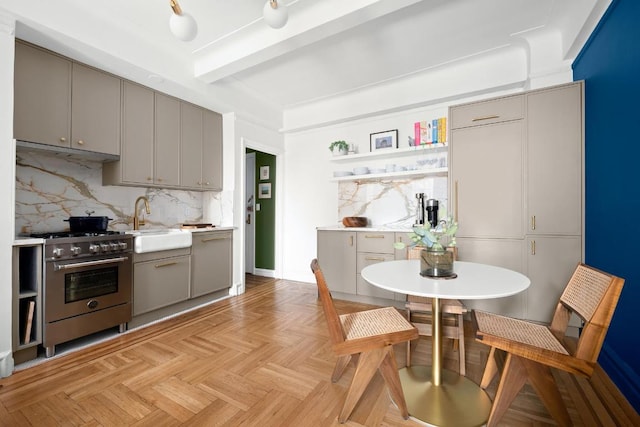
[419, 312]
[528, 350]
[370, 335]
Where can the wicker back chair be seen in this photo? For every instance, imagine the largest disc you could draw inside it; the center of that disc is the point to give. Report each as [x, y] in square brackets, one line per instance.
[371, 335]
[452, 315]
[532, 349]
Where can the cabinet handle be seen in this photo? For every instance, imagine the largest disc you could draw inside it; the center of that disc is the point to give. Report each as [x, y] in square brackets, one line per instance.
[214, 238]
[149, 178]
[479, 119]
[207, 183]
[374, 236]
[80, 142]
[160, 180]
[63, 139]
[455, 200]
[350, 240]
[374, 258]
[533, 247]
[166, 264]
[533, 222]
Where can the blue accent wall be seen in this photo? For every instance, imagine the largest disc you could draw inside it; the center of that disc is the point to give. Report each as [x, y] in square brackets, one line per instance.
[610, 65]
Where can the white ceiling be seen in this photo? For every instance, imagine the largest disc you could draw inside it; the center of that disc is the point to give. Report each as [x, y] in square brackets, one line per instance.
[328, 47]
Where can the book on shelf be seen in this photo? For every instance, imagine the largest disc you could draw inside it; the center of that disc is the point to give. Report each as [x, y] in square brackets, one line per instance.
[29, 322]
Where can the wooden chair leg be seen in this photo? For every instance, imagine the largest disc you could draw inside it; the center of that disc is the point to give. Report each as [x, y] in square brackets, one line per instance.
[367, 367]
[341, 365]
[461, 354]
[514, 375]
[490, 369]
[544, 384]
[389, 371]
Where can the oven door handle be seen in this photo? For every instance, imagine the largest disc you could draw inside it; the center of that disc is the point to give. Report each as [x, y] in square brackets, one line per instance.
[59, 267]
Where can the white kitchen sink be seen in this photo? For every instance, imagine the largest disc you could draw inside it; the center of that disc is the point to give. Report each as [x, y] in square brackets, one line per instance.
[161, 239]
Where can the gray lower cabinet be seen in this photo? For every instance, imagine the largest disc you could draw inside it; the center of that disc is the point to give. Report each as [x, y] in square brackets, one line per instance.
[211, 260]
[160, 279]
[337, 258]
[343, 254]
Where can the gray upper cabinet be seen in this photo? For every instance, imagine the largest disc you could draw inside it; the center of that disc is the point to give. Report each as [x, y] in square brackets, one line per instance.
[212, 151]
[137, 150]
[191, 146]
[95, 111]
[201, 148]
[66, 104]
[167, 137]
[42, 106]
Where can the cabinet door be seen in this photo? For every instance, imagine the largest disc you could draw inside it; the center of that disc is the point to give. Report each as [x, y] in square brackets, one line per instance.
[550, 263]
[191, 146]
[42, 104]
[95, 111]
[211, 260]
[554, 128]
[506, 253]
[167, 141]
[487, 174]
[212, 151]
[365, 288]
[137, 134]
[159, 283]
[337, 258]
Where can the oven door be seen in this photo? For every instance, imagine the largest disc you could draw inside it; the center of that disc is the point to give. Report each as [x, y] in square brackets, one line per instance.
[75, 287]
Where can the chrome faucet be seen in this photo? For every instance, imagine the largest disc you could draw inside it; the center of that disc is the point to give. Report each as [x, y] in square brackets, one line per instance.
[136, 221]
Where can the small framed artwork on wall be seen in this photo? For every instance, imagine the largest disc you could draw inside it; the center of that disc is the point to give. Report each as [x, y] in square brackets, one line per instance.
[264, 190]
[384, 140]
[264, 173]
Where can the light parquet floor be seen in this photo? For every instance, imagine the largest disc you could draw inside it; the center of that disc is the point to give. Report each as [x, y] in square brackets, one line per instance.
[260, 359]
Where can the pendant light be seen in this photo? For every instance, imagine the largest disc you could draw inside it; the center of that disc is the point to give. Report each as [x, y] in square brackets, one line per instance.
[275, 15]
[182, 25]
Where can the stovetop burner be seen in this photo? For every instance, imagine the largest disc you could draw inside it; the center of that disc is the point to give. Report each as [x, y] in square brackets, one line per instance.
[63, 234]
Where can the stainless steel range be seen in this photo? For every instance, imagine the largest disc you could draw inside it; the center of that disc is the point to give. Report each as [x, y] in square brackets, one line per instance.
[87, 284]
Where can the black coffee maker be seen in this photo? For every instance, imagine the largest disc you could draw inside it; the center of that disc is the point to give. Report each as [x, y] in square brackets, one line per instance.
[426, 211]
[432, 212]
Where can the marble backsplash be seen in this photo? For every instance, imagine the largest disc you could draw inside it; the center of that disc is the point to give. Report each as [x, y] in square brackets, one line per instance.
[50, 188]
[390, 203]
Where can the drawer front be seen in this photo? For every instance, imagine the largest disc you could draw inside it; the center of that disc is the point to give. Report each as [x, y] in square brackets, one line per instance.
[365, 259]
[377, 242]
[486, 112]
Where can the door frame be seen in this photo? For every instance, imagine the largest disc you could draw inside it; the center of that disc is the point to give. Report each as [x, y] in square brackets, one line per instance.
[279, 155]
[249, 240]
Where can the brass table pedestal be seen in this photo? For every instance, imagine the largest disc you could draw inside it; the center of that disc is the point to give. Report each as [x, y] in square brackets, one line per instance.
[457, 401]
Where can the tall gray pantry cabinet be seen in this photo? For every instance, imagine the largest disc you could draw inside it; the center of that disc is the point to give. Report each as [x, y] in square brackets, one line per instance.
[516, 182]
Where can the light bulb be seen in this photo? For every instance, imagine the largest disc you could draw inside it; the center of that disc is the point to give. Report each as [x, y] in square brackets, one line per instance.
[275, 17]
[183, 26]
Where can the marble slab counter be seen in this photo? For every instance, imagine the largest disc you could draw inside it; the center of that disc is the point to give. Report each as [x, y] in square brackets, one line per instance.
[375, 228]
[27, 241]
[216, 228]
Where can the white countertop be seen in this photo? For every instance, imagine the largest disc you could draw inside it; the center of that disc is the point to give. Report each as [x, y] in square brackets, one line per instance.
[27, 241]
[376, 228]
[474, 281]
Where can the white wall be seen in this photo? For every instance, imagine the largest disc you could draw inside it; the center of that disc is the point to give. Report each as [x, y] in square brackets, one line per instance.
[241, 132]
[7, 186]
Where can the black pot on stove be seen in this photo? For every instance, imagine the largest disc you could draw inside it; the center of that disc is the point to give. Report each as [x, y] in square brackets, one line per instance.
[88, 224]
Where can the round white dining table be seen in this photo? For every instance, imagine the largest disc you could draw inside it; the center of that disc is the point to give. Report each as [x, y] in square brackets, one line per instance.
[436, 396]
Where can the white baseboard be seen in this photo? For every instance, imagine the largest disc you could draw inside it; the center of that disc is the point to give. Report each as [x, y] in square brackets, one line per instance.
[265, 273]
[6, 364]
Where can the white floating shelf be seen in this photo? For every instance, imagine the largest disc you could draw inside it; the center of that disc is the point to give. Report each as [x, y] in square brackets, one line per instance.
[393, 175]
[387, 153]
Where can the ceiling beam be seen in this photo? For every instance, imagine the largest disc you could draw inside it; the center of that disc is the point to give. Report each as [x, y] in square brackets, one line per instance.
[309, 22]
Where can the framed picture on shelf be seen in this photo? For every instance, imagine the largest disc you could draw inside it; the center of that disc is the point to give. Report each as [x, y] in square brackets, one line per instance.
[264, 190]
[264, 173]
[384, 140]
